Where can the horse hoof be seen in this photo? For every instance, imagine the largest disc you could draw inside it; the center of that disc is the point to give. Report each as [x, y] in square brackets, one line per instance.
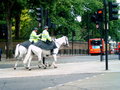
[55, 66]
[39, 66]
[14, 68]
[45, 67]
[29, 69]
[26, 67]
[49, 65]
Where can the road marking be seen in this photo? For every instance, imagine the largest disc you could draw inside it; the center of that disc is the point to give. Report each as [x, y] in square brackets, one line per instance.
[87, 78]
[72, 82]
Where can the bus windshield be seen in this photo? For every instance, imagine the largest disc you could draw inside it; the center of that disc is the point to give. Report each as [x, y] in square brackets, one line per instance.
[96, 42]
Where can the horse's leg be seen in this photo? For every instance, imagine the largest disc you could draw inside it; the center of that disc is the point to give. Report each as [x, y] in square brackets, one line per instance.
[38, 53]
[18, 60]
[55, 60]
[20, 57]
[25, 63]
[29, 62]
[27, 56]
[16, 64]
[17, 51]
[40, 62]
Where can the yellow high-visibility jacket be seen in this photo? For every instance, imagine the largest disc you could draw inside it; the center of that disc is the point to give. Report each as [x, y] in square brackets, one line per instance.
[34, 37]
[45, 36]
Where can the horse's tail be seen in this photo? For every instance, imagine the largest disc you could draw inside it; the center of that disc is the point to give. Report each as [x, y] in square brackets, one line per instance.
[17, 50]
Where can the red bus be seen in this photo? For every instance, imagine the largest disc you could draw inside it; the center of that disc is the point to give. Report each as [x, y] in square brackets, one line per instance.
[117, 49]
[95, 44]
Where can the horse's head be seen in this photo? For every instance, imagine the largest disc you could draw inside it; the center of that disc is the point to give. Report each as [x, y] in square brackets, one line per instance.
[66, 42]
[62, 41]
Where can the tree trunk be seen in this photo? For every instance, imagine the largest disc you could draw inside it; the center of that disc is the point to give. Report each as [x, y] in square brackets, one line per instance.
[9, 45]
[17, 26]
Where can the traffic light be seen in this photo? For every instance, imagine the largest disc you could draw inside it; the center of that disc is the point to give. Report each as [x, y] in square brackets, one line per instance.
[113, 11]
[94, 18]
[100, 15]
[39, 13]
[97, 16]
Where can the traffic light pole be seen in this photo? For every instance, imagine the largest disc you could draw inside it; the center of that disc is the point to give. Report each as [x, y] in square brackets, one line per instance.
[106, 34]
[101, 46]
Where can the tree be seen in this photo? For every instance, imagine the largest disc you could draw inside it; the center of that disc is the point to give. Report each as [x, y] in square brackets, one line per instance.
[9, 10]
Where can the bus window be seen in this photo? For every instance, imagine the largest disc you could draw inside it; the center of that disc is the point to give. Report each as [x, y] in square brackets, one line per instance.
[96, 42]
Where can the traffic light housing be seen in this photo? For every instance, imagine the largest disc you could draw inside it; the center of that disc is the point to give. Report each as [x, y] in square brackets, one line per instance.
[39, 13]
[113, 11]
[97, 16]
[94, 18]
[100, 15]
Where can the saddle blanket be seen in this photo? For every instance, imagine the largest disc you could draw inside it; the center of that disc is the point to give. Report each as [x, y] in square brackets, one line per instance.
[26, 44]
[45, 45]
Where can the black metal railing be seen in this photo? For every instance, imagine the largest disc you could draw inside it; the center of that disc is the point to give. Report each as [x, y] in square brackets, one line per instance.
[73, 52]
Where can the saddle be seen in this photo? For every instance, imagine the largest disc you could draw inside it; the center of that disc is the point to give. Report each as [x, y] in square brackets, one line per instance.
[45, 45]
[26, 44]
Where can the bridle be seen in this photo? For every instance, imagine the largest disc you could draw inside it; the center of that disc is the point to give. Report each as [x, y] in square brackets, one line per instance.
[66, 41]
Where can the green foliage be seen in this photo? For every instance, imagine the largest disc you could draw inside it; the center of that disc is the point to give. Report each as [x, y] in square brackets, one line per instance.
[114, 30]
[27, 24]
[63, 13]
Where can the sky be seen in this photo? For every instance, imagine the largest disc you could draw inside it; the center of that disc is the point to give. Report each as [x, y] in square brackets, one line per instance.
[118, 1]
[78, 18]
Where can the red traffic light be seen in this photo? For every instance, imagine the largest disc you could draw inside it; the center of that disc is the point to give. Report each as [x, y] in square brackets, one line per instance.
[100, 11]
[100, 15]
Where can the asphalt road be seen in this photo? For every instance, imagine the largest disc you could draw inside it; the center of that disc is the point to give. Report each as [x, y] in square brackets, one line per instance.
[40, 82]
[107, 81]
[61, 59]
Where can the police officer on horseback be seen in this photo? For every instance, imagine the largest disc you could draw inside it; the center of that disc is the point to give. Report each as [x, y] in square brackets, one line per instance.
[45, 35]
[46, 41]
[33, 36]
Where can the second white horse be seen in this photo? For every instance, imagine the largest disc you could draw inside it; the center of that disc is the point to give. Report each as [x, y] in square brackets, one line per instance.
[42, 53]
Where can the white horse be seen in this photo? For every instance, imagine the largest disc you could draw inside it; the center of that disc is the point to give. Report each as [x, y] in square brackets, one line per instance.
[43, 53]
[20, 53]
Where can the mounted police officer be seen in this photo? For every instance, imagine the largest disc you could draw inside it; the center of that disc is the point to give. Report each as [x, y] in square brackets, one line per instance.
[33, 36]
[46, 41]
[45, 35]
